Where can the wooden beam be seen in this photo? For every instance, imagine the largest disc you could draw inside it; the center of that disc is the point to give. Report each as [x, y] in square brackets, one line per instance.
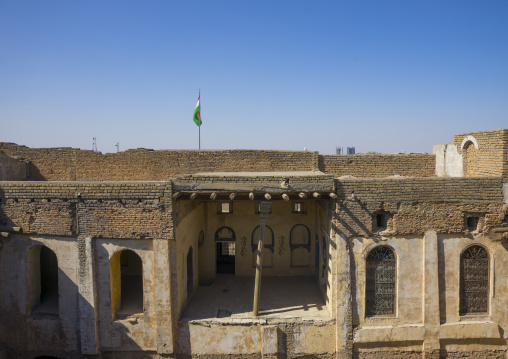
[251, 196]
[213, 196]
[285, 197]
[333, 195]
[316, 195]
[193, 195]
[267, 196]
[232, 196]
[302, 195]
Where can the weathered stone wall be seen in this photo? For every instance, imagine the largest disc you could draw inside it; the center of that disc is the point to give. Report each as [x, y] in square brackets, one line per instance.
[409, 165]
[491, 156]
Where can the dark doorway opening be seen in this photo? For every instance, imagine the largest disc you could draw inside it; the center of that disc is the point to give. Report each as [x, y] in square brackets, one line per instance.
[131, 269]
[226, 257]
[49, 281]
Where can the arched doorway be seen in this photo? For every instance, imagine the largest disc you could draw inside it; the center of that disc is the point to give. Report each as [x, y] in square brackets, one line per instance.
[225, 239]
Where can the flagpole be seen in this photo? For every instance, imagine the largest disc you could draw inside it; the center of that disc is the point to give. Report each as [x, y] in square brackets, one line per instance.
[200, 122]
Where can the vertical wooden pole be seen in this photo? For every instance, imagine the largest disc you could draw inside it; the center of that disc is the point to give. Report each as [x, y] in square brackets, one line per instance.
[264, 209]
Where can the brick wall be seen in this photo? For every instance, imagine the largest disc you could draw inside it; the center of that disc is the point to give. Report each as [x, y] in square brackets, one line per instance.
[110, 210]
[417, 204]
[410, 165]
[69, 164]
[491, 157]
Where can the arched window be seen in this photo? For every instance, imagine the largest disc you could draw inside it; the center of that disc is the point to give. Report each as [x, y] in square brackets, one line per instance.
[126, 278]
[42, 281]
[474, 280]
[381, 280]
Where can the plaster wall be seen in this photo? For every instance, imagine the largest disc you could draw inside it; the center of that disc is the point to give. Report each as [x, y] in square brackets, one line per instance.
[256, 338]
[27, 332]
[244, 220]
[409, 272]
[186, 235]
[138, 331]
[449, 162]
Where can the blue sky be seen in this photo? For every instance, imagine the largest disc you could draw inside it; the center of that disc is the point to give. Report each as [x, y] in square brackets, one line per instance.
[386, 76]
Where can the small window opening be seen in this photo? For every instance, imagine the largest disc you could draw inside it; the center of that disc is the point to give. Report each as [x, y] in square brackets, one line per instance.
[472, 223]
[299, 207]
[225, 207]
[382, 221]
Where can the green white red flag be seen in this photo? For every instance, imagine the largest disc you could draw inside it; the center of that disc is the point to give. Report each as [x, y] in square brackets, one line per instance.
[197, 113]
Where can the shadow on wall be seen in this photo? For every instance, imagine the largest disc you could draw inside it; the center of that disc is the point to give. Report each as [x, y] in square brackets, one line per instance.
[33, 173]
[40, 311]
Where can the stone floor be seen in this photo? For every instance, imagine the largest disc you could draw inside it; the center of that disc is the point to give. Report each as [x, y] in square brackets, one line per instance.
[281, 297]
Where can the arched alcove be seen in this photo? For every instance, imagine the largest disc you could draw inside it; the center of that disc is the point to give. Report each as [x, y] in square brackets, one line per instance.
[300, 244]
[42, 281]
[126, 279]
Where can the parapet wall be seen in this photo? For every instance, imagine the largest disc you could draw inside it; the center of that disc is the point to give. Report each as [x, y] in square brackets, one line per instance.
[70, 164]
[409, 165]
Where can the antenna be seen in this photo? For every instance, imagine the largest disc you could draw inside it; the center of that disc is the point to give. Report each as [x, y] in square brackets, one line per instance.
[117, 147]
[94, 144]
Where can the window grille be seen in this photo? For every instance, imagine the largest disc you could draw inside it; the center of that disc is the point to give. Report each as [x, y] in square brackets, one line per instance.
[474, 279]
[381, 278]
[228, 249]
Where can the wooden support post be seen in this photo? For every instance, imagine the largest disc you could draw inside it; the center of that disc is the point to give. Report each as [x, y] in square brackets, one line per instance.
[264, 209]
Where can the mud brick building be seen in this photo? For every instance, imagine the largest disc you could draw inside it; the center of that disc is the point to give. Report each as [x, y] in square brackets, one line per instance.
[154, 254]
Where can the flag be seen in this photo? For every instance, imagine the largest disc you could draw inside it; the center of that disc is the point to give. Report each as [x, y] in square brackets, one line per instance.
[197, 114]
